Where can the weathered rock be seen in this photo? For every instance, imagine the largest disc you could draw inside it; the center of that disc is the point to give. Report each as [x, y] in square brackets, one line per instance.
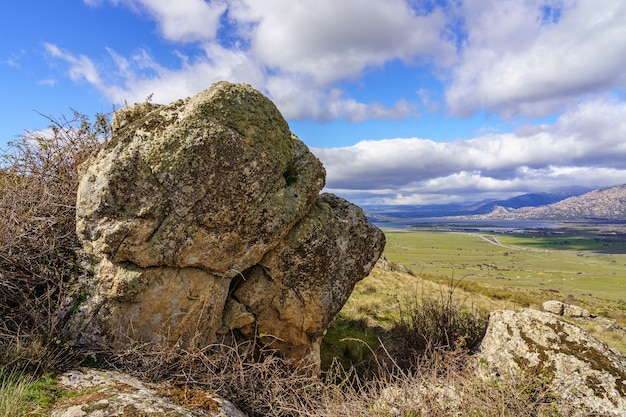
[293, 298]
[581, 371]
[212, 182]
[189, 199]
[562, 309]
[441, 399]
[165, 305]
[99, 393]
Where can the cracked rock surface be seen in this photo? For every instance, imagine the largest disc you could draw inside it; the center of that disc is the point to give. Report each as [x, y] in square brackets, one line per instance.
[205, 222]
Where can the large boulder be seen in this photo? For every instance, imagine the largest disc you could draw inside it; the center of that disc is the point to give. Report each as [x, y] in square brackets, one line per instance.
[205, 222]
[580, 370]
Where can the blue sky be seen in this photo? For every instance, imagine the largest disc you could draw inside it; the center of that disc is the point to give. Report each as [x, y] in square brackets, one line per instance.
[405, 101]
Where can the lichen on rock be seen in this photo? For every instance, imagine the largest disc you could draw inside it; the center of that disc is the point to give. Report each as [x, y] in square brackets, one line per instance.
[580, 370]
[198, 183]
[563, 309]
[188, 198]
[111, 393]
[300, 285]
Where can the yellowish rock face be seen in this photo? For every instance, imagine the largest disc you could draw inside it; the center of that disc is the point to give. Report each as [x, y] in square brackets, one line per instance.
[205, 220]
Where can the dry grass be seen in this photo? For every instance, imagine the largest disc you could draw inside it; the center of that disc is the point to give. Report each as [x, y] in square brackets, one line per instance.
[440, 322]
[445, 383]
[377, 298]
[13, 391]
[436, 378]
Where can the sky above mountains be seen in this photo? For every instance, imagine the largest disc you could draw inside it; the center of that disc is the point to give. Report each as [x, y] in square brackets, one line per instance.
[405, 101]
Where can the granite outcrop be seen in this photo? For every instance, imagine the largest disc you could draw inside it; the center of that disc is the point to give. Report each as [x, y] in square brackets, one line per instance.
[205, 222]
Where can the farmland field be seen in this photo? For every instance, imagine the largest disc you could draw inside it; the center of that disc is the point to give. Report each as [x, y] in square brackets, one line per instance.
[514, 262]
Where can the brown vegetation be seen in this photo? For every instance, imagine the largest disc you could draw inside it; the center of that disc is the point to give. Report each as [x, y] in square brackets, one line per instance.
[435, 322]
[38, 245]
[440, 382]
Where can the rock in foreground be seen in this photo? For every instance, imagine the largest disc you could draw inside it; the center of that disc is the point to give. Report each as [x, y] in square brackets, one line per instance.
[296, 299]
[212, 182]
[110, 393]
[582, 371]
[206, 223]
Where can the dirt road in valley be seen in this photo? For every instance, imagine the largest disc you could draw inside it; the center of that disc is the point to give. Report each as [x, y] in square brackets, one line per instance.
[495, 241]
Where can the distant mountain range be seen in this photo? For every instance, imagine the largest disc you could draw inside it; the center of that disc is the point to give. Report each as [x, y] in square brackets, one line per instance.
[606, 203]
[524, 200]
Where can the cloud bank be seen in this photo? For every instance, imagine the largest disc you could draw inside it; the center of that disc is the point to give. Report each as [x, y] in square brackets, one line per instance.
[585, 147]
[508, 57]
[534, 57]
[505, 58]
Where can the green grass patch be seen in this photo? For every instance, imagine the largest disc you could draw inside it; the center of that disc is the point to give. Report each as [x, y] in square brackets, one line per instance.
[607, 243]
[351, 342]
[489, 271]
[13, 391]
[587, 277]
[513, 297]
[385, 301]
[23, 394]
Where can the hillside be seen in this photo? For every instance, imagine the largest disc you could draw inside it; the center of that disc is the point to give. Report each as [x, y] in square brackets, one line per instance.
[606, 203]
[524, 200]
[391, 213]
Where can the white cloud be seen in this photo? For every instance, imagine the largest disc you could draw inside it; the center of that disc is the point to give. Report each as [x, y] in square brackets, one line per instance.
[298, 100]
[330, 40]
[133, 79]
[50, 82]
[585, 147]
[514, 57]
[533, 57]
[80, 66]
[295, 51]
[15, 59]
[180, 20]
[186, 20]
[141, 75]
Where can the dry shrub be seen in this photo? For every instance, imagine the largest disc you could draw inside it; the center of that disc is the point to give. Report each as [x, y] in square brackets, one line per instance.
[427, 324]
[260, 383]
[436, 379]
[38, 245]
[443, 388]
[256, 379]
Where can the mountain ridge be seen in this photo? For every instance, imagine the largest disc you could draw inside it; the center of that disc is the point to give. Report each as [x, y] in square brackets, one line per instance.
[524, 200]
[385, 213]
[604, 203]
